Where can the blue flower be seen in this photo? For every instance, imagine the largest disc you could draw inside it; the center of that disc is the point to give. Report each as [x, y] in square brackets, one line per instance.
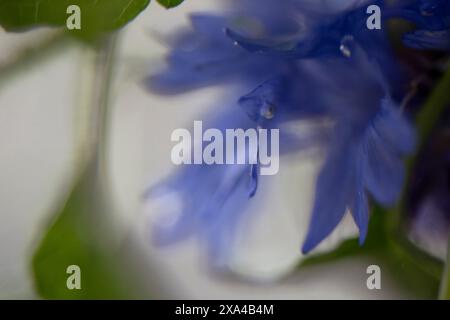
[295, 63]
[360, 161]
[213, 197]
[205, 56]
[317, 34]
[370, 137]
[432, 20]
[364, 155]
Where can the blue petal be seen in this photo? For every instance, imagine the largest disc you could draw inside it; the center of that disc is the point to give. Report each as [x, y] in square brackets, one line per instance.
[212, 198]
[360, 213]
[383, 170]
[294, 48]
[360, 206]
[334, 190]
[394, 129]
[204, 56]
[254, 179]
[264, 45]
[208, 24]
[387, 138]
[425, 39]
[432, 6]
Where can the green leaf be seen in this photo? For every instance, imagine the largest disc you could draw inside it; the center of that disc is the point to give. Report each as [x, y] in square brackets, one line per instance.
[96, 16]
[75, 238]
[170, 3]
[398, 259]
[445, 282]
[375, 242]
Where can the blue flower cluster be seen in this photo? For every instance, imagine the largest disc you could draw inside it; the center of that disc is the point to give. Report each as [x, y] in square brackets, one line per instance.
[432, 23]
[297, 60]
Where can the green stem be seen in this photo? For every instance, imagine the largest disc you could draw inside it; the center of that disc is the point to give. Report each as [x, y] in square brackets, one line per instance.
[103, 79]
[427, 119]
[431, 112]
[93, 144]
[93, 110]
[444, 290]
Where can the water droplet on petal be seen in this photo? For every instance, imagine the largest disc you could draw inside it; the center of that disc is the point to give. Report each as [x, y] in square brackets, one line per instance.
[346, 45]
[345, 51]
[268, 111]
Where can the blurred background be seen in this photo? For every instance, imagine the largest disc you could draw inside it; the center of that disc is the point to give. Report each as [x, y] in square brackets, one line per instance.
[39, 134]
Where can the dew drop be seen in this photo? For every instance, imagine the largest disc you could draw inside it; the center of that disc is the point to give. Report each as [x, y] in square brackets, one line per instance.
[345, 46]
[345, 50]
[268, 111]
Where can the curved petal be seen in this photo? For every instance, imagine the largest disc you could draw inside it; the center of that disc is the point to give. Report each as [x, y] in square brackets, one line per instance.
[383, 170]
[424, 39]
[360, 213]
[394, 129]
[334, 189]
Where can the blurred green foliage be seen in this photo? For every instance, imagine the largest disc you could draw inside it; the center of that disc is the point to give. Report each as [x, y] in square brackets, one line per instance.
[445, 286]
[77, 237]
[97, 17]
[79, 232]
[170, 3]
[422, 279]
[426, 120]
